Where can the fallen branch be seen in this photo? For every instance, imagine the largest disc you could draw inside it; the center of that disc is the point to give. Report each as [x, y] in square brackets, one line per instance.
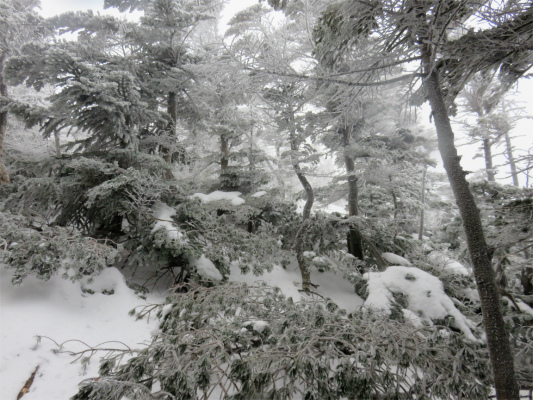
[28, 384]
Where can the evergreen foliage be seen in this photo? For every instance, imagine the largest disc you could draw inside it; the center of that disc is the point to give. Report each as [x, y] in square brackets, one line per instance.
[240, 342]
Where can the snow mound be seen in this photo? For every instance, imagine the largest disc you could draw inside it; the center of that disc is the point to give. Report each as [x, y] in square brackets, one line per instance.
[163, 216]
[395, 259]
[259, 194]
[233, 197]
[206, 268]
[444, 262]
[424, 293]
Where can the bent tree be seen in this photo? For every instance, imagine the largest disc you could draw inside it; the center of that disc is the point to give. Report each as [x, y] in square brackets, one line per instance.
[420, 30]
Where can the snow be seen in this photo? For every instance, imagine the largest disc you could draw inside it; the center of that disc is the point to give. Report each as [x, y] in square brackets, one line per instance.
[163, 216]
[524, 307]
[233, 197]
[395, 259]
[444, 262]
[206, 268]
[60, 310]
[258, 326]
[289, 281]
[424, 293]
[259, 194]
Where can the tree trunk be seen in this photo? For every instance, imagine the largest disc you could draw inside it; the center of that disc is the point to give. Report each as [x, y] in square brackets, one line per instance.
[4, 176]
[487, 148]
[501, 356]
[355, 241]
[310, 198]
[224, 149]
[172, 109]
[510, 157]
[526, 278]
[423, 201]
[57, 144]
[509, 151]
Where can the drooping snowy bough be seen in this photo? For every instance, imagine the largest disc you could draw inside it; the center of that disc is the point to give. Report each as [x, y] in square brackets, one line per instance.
[233, 341]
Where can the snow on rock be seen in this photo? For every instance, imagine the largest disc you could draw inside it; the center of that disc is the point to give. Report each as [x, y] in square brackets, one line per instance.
[206, 268]
[233, 197]
[163, 216]
[444, 262]
[259, 194]
[60, 310]
[424, 293]
[395, 259]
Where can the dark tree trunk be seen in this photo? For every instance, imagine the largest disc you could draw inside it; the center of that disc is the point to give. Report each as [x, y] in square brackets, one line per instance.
[487, 148]
[172, 109]
[4, 176]
[526, 278]
[355, 241]
[224, 149]
[501, 356]
[423, 202]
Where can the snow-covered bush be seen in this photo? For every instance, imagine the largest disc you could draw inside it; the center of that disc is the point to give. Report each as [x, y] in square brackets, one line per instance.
[43, 251]
[238, 342]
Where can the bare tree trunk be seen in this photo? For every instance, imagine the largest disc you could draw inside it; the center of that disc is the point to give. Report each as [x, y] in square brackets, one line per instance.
[423, 202]
[510, 157]
[526, 279]
[4, 176]
[224, 149]
[57, 144]
[501, 356]
[509, 151]
[487, 148]
[310, 198]
[355, 241]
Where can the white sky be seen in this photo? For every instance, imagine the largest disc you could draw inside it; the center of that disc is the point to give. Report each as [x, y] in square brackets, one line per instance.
[523, 135]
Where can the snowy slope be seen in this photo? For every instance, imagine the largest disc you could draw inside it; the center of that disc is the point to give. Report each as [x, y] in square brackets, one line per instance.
[60, 310]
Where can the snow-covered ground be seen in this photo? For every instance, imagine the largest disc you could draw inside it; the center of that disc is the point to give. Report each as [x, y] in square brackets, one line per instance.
[60, 310]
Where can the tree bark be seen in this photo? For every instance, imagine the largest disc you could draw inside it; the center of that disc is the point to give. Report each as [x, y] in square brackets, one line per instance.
[4, 175]
[509, 151]
[224, 149]
[423, 201]
[501, 356]
[510, 157]
[57, 143]
[355, 241]
[310, 198]
[487, 149]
